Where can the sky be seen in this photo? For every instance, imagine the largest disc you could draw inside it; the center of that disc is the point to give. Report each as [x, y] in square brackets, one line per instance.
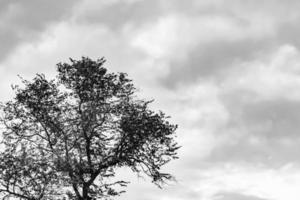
[227, 72]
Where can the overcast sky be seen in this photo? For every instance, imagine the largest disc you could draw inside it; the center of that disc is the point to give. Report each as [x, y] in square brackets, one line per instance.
[228, 72]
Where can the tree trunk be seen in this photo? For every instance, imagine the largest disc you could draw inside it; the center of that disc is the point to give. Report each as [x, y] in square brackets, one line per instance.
[85, 195]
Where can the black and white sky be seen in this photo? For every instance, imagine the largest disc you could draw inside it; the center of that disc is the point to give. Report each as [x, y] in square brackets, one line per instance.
[228, 72]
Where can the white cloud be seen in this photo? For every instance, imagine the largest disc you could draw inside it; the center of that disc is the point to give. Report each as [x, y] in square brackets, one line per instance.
[264, 183]
[276, 75]
[174, 35]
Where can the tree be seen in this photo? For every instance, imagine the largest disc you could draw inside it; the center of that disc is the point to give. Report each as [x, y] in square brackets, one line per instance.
[69, 135]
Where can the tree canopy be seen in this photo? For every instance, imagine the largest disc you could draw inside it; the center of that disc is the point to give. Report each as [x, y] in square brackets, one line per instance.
[69, 135]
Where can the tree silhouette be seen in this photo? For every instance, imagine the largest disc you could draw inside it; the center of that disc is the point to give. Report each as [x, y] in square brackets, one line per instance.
[69, 135]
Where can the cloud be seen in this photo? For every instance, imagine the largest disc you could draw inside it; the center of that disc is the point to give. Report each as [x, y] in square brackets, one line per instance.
[274, 75]
[212, 60]
[262, 101]
[246, 30]
[195, 46]
[225, 181]
[191, 31]
[117, 14]
[227, 73]
[258, 182]
[235, 196]
[24, 21]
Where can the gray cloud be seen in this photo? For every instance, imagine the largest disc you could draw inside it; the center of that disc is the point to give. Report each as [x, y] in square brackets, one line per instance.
[207, 61]
[4, 6]
[116, 15]
[235, 196]
[283, 117]
[288, 32]
[24, 20]
[263, 132]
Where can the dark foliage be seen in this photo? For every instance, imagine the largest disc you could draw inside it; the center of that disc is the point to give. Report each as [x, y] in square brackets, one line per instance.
[68, 136]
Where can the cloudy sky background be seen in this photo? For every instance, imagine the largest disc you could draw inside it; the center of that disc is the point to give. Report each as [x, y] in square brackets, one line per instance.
[228, 72]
